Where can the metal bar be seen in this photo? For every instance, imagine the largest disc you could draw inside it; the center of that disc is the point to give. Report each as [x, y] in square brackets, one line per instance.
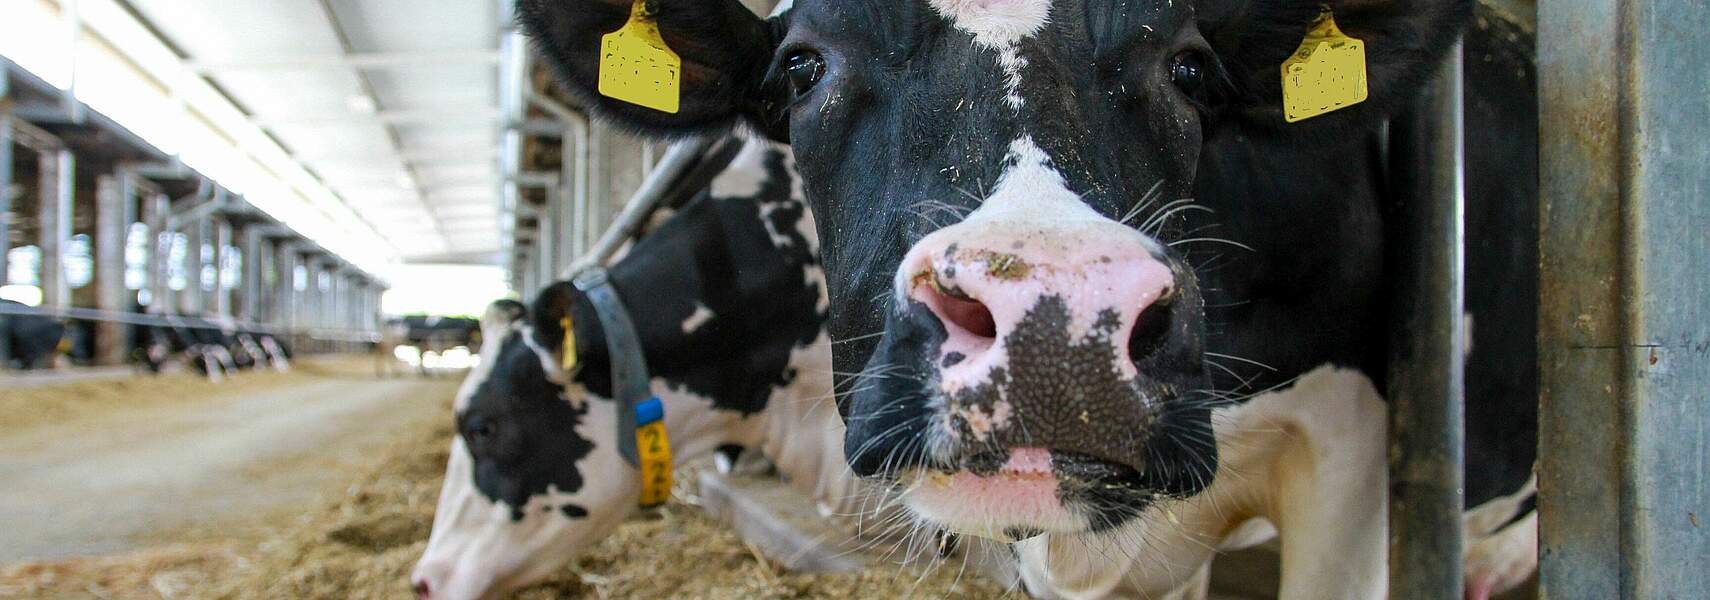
[110, 266]
[160, 253]
[57, 178]
[1624, 425]
[1428, 345]
[677, 161]
[576, 180]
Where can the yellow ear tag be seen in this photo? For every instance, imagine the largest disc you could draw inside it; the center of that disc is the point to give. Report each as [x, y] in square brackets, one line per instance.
[654, 446]
[636, 66]
[1327, 73]
[569, 344]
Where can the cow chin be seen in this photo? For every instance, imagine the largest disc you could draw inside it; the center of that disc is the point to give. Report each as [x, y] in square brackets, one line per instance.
[1030, 492]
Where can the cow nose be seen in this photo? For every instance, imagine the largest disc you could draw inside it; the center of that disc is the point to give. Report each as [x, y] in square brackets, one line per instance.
[994, 285]
[424, 590]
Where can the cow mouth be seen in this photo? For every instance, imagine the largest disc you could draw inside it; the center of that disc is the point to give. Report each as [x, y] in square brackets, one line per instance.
[1021, 493]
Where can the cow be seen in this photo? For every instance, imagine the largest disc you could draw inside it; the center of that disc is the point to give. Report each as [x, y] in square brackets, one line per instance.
[728, 303]
[1090, 286]
[34, 337]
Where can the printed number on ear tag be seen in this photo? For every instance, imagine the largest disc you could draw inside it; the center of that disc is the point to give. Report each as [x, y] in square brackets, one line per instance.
[636, 66]
[1327, 73]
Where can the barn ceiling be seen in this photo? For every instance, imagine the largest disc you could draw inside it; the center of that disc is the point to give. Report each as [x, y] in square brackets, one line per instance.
[392, 103]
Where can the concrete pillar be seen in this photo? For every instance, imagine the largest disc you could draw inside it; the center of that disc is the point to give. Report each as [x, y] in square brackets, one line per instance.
[195, 297]
[155, 212]
[110, 226]
[5, 196]
[222, 258]
[58, 179]
[285, 302]
[530, 271]
[5, 215]
[546, 245]
[310, 317]
[254, 263]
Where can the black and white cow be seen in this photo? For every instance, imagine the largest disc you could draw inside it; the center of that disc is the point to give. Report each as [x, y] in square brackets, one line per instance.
[1065, 237]
[34, 336]
[728, 301]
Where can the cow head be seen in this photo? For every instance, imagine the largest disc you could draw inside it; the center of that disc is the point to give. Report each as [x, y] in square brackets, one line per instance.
[727, 303]
[1002, 188]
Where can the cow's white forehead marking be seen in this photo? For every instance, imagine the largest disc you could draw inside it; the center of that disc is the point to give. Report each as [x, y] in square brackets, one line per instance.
[996, 23]
[1001, 26]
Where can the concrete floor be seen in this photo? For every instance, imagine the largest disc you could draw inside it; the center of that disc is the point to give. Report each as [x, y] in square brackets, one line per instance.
[131, 479]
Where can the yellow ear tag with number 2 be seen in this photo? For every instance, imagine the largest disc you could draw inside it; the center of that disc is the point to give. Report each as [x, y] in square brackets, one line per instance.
[636, 66]
[1327, 73]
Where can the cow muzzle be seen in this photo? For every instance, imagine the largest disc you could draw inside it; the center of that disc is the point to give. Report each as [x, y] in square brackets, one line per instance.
[1055, 358]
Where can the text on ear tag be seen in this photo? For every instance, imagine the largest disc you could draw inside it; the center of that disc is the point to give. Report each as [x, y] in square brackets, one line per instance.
[1327, 73]
[636, 66]
[569, 344]
[653, 445]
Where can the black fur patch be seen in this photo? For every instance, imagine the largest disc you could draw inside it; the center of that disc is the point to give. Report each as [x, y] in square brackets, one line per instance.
[521, 433]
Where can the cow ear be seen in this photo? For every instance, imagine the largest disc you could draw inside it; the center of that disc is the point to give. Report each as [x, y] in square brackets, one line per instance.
[1405, 41]
[550, 309]
[724, 47]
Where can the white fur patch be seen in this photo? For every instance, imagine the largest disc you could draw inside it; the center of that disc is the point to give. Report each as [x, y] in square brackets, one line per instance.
[700, 317]
[996, 23]
[1000, 26]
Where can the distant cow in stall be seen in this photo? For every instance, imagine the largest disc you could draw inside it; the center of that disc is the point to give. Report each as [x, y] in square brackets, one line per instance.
[1083, 269]
[35, 337]
[436, 335]
[393, 334]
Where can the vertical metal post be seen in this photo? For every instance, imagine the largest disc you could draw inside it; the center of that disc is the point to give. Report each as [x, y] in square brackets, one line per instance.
[598, 186]
[577, 182]
[1624, 325]
[222, 259]
[110, 228]
[58, 180]
[1427, 346]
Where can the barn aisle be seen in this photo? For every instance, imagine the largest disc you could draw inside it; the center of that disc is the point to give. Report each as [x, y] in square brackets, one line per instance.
[132, 478]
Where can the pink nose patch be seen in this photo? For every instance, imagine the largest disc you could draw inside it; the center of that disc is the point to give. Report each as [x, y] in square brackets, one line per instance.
[1022, 492]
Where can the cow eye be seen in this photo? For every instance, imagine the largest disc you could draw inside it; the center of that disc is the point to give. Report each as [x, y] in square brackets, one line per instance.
[804, 68]
[1187, 71]
[477, 431]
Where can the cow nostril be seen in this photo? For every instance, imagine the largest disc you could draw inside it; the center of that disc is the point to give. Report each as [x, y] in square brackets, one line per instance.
[1150, 329]
[961, 311]
[423, 591]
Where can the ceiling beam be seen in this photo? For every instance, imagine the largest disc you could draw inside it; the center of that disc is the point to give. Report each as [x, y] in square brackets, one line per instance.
[392, 135]
[483, 116]
[356, 60]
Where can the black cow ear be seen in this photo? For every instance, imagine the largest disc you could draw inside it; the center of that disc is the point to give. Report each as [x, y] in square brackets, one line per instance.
[550, 309]
[724, 47]
[1405, 41]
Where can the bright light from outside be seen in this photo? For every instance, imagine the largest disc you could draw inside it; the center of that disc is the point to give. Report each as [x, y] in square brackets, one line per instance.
[444, 290]
[27, 295]
[123, 70]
